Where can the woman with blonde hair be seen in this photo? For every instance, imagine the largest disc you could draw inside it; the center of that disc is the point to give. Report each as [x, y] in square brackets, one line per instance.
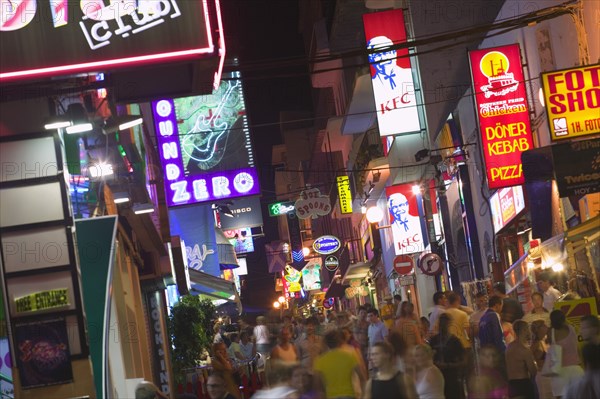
[408, 326]
[388, 382]
[429, 380]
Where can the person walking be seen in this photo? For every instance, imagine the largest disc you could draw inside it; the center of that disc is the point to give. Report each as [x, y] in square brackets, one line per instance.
[460, 320]
[216, 388]
[377, 330]
[547, 289]
[440, 301]
[221, 363]
[262, 337]
[309, 345]
[564, 335]
[449, 358]
[408, 326]
[538, 312]
[520, 366]
[388, 382]
[429, 380]
[360, 330]
[539, 347]
[490, 327]
[285, 351]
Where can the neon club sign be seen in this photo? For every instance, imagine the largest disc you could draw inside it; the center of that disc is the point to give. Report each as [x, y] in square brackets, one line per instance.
[67, 36]
[184, 189]
[503, 112]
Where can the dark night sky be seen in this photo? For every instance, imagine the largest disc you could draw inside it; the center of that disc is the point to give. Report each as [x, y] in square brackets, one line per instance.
[260, 30]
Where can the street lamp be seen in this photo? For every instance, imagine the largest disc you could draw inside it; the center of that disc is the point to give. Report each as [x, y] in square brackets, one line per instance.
[281, 300]
[276, 305]
[374, 214]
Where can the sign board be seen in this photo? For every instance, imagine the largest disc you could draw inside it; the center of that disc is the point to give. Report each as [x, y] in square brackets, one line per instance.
[311, 275]
[312, 204]
[575, 310]
[58, 37]
[391, 73]
[280, 208]
[404, 219]
[576, 167]
[404, 264]
[345, 196]
[205, 147]
[431, 264]
[42, 300]
[331, 263]
[326, 245]
[572, 98]
[407, 280]
[247, 213]
[505, 205]
[503, 113]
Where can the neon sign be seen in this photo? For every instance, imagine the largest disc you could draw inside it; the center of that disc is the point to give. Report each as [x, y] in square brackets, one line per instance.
[202, 163]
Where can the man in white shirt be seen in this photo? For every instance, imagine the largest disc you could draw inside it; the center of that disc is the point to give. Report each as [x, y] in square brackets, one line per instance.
[439, 298]
[550, 293]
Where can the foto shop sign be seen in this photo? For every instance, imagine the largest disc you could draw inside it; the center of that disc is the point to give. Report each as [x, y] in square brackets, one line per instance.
[312, 204]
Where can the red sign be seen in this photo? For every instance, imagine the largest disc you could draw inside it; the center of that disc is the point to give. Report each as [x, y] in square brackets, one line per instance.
[403, 264]
[503, 112]
[404, 219]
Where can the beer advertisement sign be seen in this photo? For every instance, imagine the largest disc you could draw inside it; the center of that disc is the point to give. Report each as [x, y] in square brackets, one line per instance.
[502, 111]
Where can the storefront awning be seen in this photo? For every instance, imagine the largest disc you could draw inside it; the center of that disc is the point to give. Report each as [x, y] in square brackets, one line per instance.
[215, 288]
[356, 271]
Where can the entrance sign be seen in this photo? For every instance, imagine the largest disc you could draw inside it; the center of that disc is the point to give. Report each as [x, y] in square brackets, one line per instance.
[572, 98]
[502, 110]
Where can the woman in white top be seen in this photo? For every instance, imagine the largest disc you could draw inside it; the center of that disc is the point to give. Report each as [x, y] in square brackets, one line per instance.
[262, 337]
[429, 380]
[285, 351]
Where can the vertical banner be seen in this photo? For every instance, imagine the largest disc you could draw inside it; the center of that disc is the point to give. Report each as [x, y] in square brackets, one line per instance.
[503, 113]
[344, 193]
[95, 243]
[404, 218]
[391, 74]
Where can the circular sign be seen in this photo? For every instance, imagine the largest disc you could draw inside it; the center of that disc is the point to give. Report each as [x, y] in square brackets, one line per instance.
[331, 263]
[431, 264]
[326, 245]
[404, 264]
[328, 303]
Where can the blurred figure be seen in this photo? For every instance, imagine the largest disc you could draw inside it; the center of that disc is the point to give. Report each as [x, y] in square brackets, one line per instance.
[262, 337]
[508, 332]
[520, 365]
[490, 382]
[221, 363]
[397, 303]
[335, 369]
[564, 335]
[490, 327]
[538, 312]
[351, 346]
[279, 385]
[440, 301]
[480, 309]
[285, 351]
[235, 349]
[309, 345]
[408, 326]
[247, 347]
[449, 358]
[360, 331]
[401, 352]
[377, 330]
[460, 320]
[215, 387]
[590, 329]
[539, 330]
[429, 380]
[387, 312]
[424, 327]
[389, 382]
[302, 382]
[546, 287]
[589, 385]
[147, 390]
[511, 308]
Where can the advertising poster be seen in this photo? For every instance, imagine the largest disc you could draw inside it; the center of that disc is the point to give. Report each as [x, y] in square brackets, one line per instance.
[577, 167]
[391, 73]
[311, 275]
[503, 114]
[572, 98]
[506, 204]
[404, 219]
[43, 356]
[575, 310]
[205, 147]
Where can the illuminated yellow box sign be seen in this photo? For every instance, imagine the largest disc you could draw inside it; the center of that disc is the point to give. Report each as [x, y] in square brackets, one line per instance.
[572, 98]
[42, 301]
[343, 185]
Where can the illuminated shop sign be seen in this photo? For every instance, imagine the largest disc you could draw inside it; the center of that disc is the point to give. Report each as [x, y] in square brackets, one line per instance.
[404, 219]
[391, 74]
[280, 208]
[205, 147]
[56, 37]
[43, 300]
[326, 245]
[343, 186]
[312, 204]
[572, 98]
[502, 111]
[311, 275]
[506, 204]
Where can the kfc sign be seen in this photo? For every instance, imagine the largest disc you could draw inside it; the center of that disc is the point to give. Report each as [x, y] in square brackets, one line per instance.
[572, 99]
[54, 37]
[391, 73]
[503, 113]
[404, 219]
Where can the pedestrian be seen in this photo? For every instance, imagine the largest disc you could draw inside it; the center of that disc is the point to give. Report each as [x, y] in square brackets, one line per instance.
[247, 346]
[538, 312]
[262, 337]
[397, 303]
[521, 368]
[546, 287]
[334, 370]
[564, 335]
[511, 308]
[285, 351]
[490, 327]
[377, 330]
[539, 347]
[590, 329]
[589, 385]
[235, 349]
[460, 320]
[302, 382]
[388, 382]
[216, 388]
[408, 326]
[309, 345]
[424, 327]
[481, 302]
[490, 382]
[279, 384]
[429, 380]
[401, 353]
[450, 358]
[387, 312]
[360, 330]
[440, 301]
[147, 390]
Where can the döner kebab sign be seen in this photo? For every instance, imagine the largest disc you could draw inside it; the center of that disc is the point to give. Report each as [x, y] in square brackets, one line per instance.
[312, 204]
[503, 113]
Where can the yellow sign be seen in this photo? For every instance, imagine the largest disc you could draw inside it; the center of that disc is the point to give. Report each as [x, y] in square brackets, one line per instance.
[42, 301]
[343, 185]
[572, 98]
[575, 310]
